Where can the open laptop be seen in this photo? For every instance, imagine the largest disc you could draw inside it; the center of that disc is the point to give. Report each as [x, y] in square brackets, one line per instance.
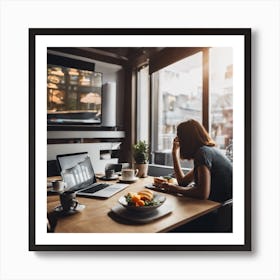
[80, 177]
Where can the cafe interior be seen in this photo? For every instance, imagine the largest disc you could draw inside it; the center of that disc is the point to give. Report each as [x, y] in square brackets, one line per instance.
[112, 114]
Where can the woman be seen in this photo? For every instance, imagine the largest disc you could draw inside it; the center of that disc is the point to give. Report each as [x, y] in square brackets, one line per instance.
[212, 172]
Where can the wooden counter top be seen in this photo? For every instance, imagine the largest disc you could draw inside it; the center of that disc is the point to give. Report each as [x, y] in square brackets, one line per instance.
[94, 218]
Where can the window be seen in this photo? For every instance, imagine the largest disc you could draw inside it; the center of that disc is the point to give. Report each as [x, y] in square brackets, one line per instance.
[143, 104]
[177, 95]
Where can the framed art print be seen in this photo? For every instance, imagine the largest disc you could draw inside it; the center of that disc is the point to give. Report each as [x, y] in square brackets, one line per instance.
[94, 94]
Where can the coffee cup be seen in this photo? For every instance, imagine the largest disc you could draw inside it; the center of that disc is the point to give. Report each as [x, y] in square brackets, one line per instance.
[58, 185]
[68, 200]
[129, 174]
[109, 173]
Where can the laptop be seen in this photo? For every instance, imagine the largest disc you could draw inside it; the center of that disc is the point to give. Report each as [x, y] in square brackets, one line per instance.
[80, 177]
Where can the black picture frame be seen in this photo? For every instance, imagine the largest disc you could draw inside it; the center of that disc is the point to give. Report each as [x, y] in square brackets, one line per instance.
[33, 165]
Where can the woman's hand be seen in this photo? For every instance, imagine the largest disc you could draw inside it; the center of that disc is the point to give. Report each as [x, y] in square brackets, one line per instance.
[168, 187]
[176, 145]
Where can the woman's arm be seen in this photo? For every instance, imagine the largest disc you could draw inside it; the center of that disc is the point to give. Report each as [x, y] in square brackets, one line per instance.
[200, 190]
[182, 179]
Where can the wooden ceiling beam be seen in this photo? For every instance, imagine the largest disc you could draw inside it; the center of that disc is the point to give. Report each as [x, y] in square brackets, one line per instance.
[93, 54]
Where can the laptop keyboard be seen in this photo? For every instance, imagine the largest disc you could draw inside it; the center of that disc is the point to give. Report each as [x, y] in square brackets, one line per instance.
[95, 188]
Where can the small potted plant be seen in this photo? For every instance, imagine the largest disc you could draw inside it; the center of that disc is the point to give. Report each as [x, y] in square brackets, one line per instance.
[141, 157]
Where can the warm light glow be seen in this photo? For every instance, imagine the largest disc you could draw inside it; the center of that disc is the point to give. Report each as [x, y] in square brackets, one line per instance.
[91, 97]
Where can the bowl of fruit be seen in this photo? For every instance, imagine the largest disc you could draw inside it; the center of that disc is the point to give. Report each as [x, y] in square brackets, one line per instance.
[142, 201]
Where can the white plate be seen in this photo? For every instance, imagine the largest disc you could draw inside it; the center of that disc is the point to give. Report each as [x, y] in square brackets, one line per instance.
[140, 217]
[128, 181]
[115, 177]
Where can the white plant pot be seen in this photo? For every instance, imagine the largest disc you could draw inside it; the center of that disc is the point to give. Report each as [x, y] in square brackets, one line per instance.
[142, 169]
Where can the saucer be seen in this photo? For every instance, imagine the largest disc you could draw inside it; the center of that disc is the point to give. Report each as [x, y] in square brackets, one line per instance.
[51, 191]
[128, 181]
[60, 210]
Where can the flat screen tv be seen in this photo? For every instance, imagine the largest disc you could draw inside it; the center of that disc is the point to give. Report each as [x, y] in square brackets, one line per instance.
[74, 92]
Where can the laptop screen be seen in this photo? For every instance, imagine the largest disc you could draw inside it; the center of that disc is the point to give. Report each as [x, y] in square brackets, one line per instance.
[66, 161]
[80, 175]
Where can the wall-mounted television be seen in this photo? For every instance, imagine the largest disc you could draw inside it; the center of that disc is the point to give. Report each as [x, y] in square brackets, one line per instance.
[74, 92]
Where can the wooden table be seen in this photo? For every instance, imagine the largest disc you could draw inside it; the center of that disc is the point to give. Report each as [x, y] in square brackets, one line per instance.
[95, 219]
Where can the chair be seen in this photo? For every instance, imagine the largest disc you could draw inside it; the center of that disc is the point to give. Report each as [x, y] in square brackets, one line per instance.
[224, 217]
[52, 168]
[51, 221]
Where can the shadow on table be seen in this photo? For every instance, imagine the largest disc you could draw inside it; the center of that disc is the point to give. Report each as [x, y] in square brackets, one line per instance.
[219, 220]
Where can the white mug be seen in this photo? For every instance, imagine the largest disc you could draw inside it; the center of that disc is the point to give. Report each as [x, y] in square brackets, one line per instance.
[129, 174]
[58, 185]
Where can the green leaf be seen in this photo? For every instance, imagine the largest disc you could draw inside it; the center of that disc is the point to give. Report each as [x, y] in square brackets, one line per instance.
[141, 152]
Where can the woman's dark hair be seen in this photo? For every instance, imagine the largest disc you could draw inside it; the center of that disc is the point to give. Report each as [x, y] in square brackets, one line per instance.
[192, 135]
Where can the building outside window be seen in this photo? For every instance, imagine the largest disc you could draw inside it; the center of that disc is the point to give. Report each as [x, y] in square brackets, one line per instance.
[221, 95]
